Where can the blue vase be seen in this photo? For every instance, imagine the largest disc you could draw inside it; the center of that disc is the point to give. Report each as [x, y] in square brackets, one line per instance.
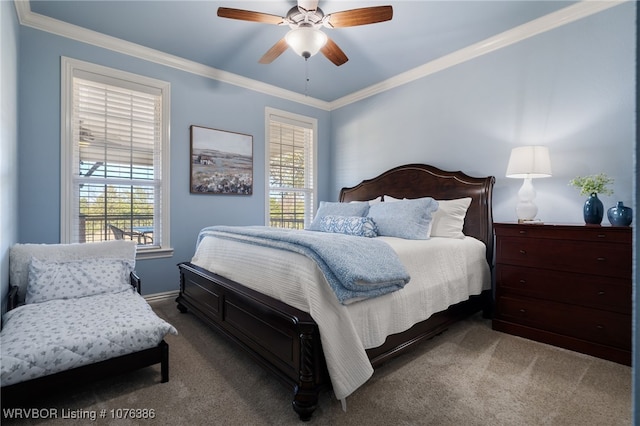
[593, 210]
[620, 215]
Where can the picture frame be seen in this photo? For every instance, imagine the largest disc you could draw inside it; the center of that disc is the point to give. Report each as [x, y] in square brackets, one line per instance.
[221, 162]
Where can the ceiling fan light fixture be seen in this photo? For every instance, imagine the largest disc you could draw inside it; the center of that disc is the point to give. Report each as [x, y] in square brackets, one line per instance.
[306, 41]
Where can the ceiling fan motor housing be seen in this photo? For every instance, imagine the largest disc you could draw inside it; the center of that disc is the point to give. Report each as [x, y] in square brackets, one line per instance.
[298, 16]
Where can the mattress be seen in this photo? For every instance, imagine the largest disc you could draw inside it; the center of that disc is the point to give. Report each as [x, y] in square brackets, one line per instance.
[443, 271]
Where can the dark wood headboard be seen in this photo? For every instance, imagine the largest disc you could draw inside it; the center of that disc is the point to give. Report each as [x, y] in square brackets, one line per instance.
[420, 180]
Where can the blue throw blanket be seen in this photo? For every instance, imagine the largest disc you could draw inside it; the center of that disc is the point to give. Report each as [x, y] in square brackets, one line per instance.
[355, 267]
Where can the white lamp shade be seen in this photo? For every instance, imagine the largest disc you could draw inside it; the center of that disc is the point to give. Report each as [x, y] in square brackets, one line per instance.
[529, 162]
[306, 41]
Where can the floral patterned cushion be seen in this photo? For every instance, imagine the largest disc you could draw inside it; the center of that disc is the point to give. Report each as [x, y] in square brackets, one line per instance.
[49, 280]
[350, 225]
[20, 257]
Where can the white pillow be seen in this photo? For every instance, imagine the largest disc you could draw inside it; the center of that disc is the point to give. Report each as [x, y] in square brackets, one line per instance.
[390, 199]
[375, 200]
[49, 280]
[448, 220]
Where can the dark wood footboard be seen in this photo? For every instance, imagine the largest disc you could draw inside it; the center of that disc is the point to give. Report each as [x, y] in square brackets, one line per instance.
[282, 339]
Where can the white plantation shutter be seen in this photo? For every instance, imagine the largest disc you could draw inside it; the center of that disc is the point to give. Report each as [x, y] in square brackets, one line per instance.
[290, 169]
[114, 144]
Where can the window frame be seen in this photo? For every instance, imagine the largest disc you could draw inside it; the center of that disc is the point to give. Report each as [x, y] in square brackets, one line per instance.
[69, 69]
[295, 119]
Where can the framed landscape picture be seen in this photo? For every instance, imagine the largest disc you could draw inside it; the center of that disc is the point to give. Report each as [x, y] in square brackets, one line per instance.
[221, 162]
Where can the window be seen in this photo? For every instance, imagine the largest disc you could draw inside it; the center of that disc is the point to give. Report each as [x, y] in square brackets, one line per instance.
[290, 169]
[115, 146]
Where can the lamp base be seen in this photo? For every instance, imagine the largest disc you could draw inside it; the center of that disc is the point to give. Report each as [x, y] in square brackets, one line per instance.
[526, 209]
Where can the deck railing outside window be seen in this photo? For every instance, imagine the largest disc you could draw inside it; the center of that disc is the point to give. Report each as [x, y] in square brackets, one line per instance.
[98, 228]
[279, 222]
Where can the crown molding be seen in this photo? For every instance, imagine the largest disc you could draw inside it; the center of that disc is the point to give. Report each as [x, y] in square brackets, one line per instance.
[74, 32]
[543, 24]
[530, 29]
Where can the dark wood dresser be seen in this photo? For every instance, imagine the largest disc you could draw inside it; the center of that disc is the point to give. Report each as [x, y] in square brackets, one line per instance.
[566, 285]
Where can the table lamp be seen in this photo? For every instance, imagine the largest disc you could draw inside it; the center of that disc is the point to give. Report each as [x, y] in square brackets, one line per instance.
[528, 162]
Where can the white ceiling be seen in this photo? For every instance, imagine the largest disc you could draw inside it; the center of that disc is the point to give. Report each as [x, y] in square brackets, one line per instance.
[421, 32]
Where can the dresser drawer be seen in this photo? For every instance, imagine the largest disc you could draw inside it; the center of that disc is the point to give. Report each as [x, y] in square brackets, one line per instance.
[604, 234]
[602, 327]
[598, 258]
[604, 293]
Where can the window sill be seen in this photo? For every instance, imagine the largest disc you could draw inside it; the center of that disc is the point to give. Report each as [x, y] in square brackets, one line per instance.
[154, 253]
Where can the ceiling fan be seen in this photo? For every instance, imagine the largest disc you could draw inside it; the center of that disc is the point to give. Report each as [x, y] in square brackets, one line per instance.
[305, 20]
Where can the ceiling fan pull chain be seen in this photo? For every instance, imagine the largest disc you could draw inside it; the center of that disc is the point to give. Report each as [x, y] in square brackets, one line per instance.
[306, 76]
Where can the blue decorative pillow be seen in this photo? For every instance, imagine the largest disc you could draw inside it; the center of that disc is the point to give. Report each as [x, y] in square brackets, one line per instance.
[49, 280]
[410, 219]
[350, 225]
[355, 208]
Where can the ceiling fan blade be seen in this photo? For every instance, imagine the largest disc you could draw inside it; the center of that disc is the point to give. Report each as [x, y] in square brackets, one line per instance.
[334, 53]
[308, 4]
[363, 16]
[248, 15]
[275, 51]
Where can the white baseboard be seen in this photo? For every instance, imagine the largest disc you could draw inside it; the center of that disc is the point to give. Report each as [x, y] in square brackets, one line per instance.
[160, 297]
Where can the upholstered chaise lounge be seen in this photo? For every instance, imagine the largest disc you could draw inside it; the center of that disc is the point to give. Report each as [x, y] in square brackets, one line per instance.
[75, 314]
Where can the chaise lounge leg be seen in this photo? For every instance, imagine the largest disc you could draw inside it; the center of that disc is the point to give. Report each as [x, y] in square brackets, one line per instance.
[164, 362]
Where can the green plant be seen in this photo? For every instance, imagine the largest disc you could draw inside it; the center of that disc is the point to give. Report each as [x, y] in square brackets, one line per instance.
[594, 183]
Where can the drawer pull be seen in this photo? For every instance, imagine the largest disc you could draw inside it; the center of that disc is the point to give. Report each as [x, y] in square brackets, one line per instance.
[523, 232]
[600, 259]
[523, 281]
[601, 235]
[522, 311]
[523, 252]
[600, 327]
[601, 293]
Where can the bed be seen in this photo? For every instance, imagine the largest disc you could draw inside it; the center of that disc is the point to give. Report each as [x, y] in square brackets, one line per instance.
[284, 335]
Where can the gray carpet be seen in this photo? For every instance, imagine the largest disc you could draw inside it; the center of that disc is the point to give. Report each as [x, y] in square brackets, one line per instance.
[469, 375]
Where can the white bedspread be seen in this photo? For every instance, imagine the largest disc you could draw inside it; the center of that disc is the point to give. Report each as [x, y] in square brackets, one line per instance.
[443, 272]
[39, 339]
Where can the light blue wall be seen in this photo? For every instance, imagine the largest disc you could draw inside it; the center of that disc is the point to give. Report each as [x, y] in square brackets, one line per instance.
[571, 89]
[194, 100]
[9, 44]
